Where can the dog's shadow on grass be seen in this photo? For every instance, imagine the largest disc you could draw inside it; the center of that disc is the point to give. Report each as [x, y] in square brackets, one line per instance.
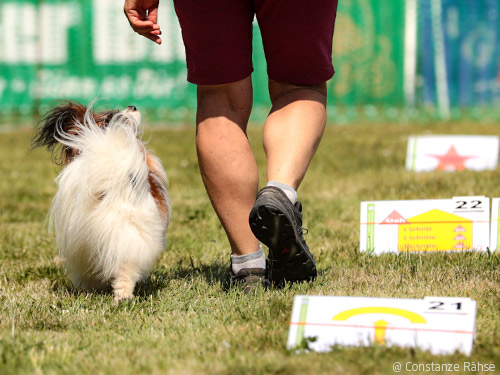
[162, 277]
[60, 283]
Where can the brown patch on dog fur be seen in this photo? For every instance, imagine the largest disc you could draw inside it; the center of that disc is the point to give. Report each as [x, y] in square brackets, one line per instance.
[101, 119]
[77, 111]
[157, 189]
[65, 118]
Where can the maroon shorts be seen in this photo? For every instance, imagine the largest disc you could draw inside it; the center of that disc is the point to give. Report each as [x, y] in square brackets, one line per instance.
[297, 37]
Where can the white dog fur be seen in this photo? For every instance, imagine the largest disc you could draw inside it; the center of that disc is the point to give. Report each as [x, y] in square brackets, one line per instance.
[109, 228]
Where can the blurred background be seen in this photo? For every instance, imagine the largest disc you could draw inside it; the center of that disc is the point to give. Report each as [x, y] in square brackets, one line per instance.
[396, 60]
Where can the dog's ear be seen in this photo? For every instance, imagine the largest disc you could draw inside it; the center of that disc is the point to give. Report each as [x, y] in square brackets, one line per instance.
[62, 119]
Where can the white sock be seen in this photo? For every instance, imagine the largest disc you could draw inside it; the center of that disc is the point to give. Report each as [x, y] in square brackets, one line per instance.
[254, 260]
[288, 190]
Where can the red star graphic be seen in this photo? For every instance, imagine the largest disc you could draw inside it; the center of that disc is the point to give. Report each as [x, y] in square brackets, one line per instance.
[451, 161]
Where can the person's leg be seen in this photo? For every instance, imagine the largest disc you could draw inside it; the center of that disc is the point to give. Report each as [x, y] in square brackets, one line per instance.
[291, 136]
[293, 130]
[218, 39]
[297, 37]
[226, 160]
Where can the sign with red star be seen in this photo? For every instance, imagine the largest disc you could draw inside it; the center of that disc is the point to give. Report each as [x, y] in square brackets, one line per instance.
[451, 161]
[452, 153]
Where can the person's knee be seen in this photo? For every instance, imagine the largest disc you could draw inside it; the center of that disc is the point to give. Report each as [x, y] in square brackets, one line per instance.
[228, 99]
[278, 90]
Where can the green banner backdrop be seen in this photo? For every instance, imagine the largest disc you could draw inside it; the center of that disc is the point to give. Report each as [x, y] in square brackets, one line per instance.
[83, 50]
[368, 52]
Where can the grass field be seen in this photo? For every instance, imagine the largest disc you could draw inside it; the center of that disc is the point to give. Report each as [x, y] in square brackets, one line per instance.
[181, 321]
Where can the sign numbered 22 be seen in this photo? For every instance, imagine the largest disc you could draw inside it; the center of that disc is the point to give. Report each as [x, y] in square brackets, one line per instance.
[460, 223]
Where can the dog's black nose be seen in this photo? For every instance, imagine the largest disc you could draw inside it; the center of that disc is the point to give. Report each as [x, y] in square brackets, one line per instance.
[132, 107]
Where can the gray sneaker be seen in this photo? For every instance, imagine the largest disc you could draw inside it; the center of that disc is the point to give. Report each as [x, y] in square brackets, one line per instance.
[277, 223]
[247, 279]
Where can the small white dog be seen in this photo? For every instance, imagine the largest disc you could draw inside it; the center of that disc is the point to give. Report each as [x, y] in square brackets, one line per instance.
[112, 208]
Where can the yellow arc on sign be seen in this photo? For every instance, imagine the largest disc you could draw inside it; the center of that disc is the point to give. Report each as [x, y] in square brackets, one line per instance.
[410, 315]
[380, 325]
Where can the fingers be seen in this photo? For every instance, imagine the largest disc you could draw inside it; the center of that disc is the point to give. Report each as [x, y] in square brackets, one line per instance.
[143, 24]
[153, 15]
[153, 35]
[147, 29]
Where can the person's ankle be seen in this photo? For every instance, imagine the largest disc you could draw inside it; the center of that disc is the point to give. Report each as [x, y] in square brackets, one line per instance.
[290, 192]
[253, 260]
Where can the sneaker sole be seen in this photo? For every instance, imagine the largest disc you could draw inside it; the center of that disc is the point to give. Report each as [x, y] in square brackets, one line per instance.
[289, 262]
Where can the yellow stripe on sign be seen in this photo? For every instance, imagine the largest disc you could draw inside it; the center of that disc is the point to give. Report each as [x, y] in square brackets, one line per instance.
[380, 327]
[410, 315]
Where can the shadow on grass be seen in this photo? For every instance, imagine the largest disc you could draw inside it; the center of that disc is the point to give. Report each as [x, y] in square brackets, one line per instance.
[160, 278]
[51, 272]
[214, 273]
[60, 283]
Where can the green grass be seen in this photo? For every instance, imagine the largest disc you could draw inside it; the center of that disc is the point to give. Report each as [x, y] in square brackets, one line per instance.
[181, 321]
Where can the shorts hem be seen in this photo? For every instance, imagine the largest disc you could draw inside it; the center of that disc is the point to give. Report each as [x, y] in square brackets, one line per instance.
[303, 82]
[219, 80]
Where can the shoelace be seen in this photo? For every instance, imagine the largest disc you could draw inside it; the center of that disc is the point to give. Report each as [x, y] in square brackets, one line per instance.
[301, 231]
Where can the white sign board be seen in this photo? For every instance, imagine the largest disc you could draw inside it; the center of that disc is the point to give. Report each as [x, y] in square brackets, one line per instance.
[460, 223]
[495, 225]
[441, 325]
[452, 153]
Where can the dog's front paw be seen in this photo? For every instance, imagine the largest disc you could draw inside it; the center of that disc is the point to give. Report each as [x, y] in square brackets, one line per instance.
[121, 295]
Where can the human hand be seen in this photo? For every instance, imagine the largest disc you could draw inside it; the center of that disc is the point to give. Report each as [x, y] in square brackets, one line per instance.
[143, 16]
